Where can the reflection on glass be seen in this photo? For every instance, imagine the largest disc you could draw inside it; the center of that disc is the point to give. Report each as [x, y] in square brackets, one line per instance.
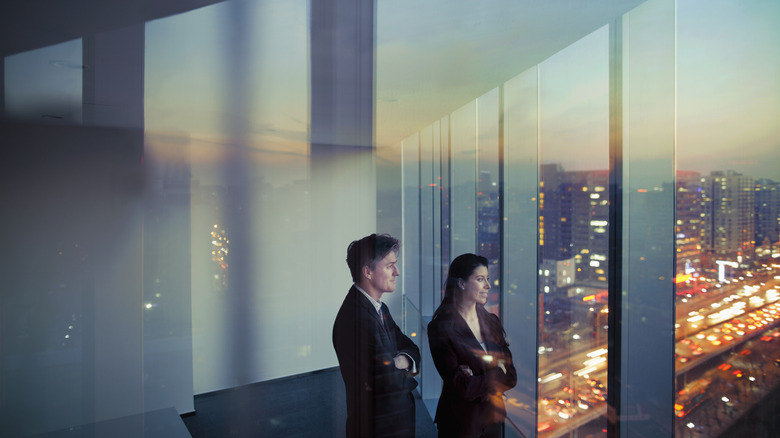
[727, 312]
[573, 237]
[488, 211]
[446, 195]
[437, 216]
[463, 182]
[412, 209]
[519, 259]
[428, 209]
[227, 125]
[645, 39]
[45, 84]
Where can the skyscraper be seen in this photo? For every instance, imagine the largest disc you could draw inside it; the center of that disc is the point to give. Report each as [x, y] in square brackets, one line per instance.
[729, 199]
[767, 210]
[689, 226]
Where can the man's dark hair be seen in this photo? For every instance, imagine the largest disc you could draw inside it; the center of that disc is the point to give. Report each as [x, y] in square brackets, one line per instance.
[367, 251]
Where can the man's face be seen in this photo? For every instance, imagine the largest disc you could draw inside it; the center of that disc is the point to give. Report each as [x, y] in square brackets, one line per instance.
[382, 277]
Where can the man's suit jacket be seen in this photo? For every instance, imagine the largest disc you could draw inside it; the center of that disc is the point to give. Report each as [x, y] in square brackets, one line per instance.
[379, 400]
[469, 403]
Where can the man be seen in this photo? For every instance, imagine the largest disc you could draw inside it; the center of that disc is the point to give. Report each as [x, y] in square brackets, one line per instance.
[378, 362]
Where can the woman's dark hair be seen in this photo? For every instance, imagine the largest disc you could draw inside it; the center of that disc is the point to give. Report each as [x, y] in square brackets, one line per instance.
[461, 269]
[368, 251]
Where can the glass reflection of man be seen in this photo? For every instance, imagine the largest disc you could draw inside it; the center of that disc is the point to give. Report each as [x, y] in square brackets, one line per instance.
[376, 359]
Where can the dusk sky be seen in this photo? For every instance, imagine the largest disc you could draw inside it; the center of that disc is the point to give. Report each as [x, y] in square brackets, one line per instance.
[728, 85]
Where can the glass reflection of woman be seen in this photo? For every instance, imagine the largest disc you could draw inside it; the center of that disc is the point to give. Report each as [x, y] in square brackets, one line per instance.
[472, 356]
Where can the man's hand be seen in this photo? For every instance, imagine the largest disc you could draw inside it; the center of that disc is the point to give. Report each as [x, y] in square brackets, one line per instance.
[402, 362]
[466, 370]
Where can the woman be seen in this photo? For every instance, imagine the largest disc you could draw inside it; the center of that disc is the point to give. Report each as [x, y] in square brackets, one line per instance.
[470, 351]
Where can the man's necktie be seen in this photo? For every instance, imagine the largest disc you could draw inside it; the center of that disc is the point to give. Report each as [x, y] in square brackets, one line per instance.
[382, 318]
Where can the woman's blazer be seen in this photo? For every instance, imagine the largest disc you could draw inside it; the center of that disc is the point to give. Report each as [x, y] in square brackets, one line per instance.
[469, 403]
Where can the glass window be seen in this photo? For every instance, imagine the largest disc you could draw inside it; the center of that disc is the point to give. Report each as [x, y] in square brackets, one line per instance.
[412, 209]
[463, 179]
[46, 83]
[227, 113]
[726, 287]
[488, 192]
[644, 63]
[519, 240]
[446, 200]
[573, 236]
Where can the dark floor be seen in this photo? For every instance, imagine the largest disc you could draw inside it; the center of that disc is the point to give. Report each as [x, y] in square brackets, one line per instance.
[308, 405]
[163, 423]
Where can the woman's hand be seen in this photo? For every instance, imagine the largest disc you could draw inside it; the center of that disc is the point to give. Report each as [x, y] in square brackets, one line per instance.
[402, 362]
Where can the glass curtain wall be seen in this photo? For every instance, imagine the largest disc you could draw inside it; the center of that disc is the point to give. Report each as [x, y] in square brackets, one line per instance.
[582, 169]
[573, 241]
[726, 229]
[643, 145]
[488, 206]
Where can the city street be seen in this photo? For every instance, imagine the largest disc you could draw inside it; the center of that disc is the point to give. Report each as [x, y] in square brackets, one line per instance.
[727, 342]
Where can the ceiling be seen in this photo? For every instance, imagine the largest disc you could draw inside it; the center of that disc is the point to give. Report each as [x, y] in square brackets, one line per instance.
[431, 57]
[31, 24]
[449, 52]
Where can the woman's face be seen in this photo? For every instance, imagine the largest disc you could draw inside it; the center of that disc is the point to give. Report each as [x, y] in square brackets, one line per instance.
[476, 287]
